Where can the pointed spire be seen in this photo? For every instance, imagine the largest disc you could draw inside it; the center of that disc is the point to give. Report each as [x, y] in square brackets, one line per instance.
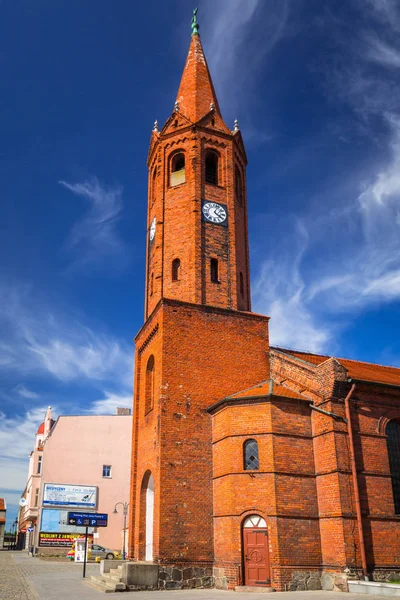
[196, 91]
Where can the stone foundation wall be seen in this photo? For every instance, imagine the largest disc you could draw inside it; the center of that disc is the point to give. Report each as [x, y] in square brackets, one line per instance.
[320, 580]
[183, 578]
[385, 575]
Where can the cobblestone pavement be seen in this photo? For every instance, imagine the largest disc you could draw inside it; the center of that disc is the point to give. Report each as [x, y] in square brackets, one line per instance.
[13, 585]
[26, 578]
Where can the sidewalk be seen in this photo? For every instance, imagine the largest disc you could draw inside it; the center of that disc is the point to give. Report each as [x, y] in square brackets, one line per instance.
[26, 578]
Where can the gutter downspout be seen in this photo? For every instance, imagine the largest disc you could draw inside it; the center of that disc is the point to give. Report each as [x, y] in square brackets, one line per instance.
[355, 482]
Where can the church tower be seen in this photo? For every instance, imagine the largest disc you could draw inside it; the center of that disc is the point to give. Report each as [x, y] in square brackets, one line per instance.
[197, 217]
[199, 342]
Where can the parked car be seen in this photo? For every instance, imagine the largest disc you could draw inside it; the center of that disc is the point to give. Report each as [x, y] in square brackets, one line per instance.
[101, 552]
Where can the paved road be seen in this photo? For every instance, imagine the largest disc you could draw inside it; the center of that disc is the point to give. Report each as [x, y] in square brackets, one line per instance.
[26, 578]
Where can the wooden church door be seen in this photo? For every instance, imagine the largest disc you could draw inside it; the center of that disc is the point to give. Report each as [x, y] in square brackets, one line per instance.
[256, 552]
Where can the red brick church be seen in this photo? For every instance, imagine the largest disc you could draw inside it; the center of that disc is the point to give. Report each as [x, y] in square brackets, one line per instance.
[251, 465]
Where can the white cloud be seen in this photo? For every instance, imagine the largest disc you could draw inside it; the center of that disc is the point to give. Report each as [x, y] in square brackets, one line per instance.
[42, 340]
[280, 292]
[383, 53]
[23, 391]
[17, 439]
[95, 238]
[346, 255]
[110, 403]
[237, 37]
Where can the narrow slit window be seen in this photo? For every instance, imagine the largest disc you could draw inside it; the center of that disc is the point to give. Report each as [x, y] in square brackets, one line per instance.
[211, 168]
[238, 186]
[151, 284]
[251, 460]
[176, 269]
[214, 270]
[39, 465]
[149, 391]
[393, 446]
[177, 169]
[241, 283]
[153, 184]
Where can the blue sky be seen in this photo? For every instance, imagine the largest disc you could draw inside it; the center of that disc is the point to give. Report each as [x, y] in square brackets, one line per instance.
[314, 84]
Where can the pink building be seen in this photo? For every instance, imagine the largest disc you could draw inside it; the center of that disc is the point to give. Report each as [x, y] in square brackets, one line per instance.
[29, 503]
[85, 467]
[3, 510]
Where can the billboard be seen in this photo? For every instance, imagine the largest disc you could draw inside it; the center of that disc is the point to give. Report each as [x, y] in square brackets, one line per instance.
[56, 521]
[78, 496]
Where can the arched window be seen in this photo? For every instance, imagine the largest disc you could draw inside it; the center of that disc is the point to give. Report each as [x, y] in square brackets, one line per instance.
[149, 391]
[254, 521]
[393, 446]
[241, 283]
[214, 270]
[176, 269]
[211, 167]
[177, 169]
[250, 456]
[238, 185]
[149, 518]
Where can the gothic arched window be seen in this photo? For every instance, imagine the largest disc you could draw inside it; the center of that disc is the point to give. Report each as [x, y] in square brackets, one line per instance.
[177, 175]
[176, 269]
[149, 391]
[393, 446]
[250, 456]
[211, 167]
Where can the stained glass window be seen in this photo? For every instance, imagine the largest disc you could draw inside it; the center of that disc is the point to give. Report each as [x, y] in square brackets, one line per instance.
[251, 460]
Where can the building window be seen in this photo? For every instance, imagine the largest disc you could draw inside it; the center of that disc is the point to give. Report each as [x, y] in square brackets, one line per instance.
[151, 284]
[176, 268]
[214, 270]
[153, 184]
[241, 283]
[251, 461]
[149, 399]
[212, 167]
[393, 446]
[39, 465]
[178, 175]
[238, 186]
[37, 497]
[106, 470]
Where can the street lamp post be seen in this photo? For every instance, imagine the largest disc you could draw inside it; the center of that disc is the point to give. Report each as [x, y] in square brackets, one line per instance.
[16, 533]
[125, 506]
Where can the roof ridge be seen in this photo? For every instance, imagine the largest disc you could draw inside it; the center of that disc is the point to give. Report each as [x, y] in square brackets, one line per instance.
[263, 382]
[327, 356]
[365, 362]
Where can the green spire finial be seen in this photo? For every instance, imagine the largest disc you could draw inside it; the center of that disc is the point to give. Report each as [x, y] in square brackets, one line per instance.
[195, 25]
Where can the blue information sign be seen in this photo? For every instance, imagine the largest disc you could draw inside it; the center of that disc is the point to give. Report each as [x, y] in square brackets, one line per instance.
[80, 519]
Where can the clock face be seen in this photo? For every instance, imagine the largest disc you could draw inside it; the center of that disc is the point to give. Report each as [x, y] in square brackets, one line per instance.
[214, 213]
[153, 229]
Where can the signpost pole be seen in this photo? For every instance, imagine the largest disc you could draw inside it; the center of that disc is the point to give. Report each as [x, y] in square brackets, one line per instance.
[84, 558]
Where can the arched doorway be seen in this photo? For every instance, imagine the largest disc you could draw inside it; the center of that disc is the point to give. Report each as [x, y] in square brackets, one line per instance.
[255, 552]
[149, 518]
